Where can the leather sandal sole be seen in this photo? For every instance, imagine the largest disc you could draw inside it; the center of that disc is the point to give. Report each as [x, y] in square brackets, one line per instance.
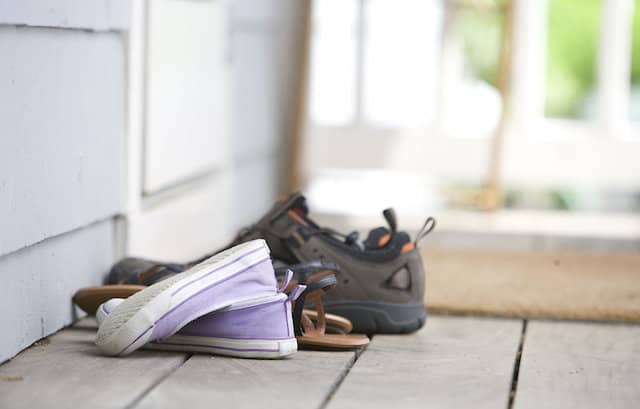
[90, 298]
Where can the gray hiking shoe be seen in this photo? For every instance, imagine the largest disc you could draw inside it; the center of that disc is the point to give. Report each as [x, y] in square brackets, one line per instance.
[380, 281]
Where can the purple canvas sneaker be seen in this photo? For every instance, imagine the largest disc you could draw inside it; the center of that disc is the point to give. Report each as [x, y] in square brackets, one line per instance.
[232, 277]
[259, 328]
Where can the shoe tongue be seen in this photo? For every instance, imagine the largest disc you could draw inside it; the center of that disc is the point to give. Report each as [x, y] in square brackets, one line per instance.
[380, 236]
[390, 216]
[295, 202]
[377, 238]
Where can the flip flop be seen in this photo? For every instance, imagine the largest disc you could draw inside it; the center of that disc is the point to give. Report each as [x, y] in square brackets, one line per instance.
[311, 334]
[335, 324]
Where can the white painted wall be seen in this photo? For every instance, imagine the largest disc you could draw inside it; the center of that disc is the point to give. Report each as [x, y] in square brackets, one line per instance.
[190, 220]
[62, 168]
[119, 138]
[94, 15]
[218, 170]
[39, 281]
[62, 136]
[187, 89]
[179, 110]
[262, 51]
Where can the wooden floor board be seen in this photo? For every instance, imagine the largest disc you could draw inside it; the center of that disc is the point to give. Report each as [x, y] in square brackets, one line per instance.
[67, 371]
[302, 381]
[453, 362]
[579, 365]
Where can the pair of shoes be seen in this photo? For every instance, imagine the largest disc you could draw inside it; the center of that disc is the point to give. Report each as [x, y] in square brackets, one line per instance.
[381, 280]
[250, 329]
[228, 304]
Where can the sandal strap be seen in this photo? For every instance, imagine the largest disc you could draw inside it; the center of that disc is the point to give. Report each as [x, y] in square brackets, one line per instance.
[315, 287]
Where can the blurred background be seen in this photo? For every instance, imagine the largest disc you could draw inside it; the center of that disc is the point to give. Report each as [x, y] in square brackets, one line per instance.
[498, 116]
[158, 128]
[474, 105]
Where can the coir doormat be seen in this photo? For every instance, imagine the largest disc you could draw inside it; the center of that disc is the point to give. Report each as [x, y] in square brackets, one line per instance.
[562, 285]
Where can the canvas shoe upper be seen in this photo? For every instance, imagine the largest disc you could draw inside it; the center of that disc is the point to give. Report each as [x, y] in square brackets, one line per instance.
[254, 328]
[241, 273]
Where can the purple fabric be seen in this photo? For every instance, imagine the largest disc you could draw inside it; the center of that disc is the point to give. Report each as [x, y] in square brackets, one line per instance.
[253, 281]
[227, 264]
[265, 321]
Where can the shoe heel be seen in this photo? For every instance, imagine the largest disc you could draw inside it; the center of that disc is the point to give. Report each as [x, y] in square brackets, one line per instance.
[264, 330]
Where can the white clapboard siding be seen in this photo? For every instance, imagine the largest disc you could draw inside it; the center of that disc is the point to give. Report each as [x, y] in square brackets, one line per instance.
[39, 281]
[62, 139]
[184, 224]
[187, 91]
[84, 14]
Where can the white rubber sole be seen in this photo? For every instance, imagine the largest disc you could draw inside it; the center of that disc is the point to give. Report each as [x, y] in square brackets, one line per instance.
[130, 325]
[243, 348]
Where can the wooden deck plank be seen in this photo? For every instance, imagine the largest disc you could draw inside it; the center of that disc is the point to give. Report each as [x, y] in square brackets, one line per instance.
[579, 365]
[302, 381]
[453, 362]
[67, 371]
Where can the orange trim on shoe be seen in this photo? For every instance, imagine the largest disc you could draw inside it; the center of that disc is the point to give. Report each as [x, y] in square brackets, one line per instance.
[296, 217]
[408, 247]
[384, 240]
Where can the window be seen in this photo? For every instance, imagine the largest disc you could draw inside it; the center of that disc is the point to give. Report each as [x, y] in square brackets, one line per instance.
[573, 31]
[635, 65]
[374, 62]
[473, 35]
[333, 62]
[417, 89]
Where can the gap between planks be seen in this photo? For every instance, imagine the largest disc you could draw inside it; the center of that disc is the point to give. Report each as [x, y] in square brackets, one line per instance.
[322, 379]
[303, 380]
[151, 387]
[579, 365]
[516, 366]
[68, 371]
[358, 353]
[452, 362]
